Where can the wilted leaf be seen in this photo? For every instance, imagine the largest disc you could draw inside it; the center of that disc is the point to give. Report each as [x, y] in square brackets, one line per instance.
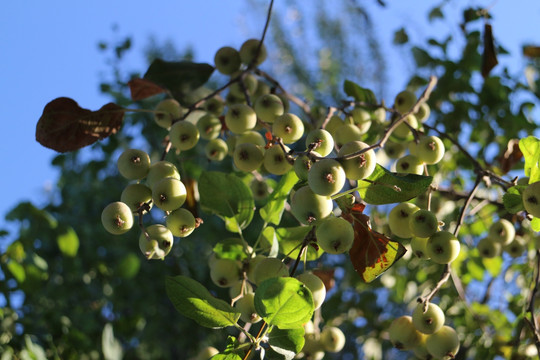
[65, 126]
[327, 277]
[489, 56]
[372, 253]
[531, 51]
[511, 156]
[141, 89]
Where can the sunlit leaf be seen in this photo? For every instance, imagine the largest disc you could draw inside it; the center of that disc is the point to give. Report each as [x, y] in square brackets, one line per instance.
[68, 241]
[530, 147]
[17, 270]
[230, 248]
[194, 301]
[290, 241]
[65, 126]
[273, 210]
[284, 302]
[385, 187]
[372, 253]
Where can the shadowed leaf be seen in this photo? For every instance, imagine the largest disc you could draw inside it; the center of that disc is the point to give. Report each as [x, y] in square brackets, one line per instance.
[489, 56]
[372, 253]
[65, 126]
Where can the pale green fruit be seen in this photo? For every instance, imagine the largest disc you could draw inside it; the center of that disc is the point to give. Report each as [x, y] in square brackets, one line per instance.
[240, 118]
[232, 99]
[252, 51]
[248, 157]
[236, 289]
[214, 106]
[246, 306]
[403, 132]
[269, 268]
[133, 164]
[259, 189]
[167, 111]
[159, 243]
[227, 60]
[531, 199]
[285, 100]
[394, 150]
[135, 195]
[444, 344]
[216, 149]
[399, 217]
[403, 334]
[409, 164]
[313, 348]
[359, 167]
[288, 127]
[404, 101]
[268, 107]
[502, 231]
[262, 89]
[420, 350]
[301, 166]
[333, 124]
[184, 135]
[224, 272]
[443, 247]
[252, 265]
[335, 235]
[423, 223]
[324, 140]
[252, 137]
[332, 339]
[117, 218]
[489, 248]
[418, 247]
[181, 222]
[206, 353]
[316, 286]
[347, 133]
[326, 177]
[209, 126]
[423, 112]
[430, 320]
[249, 82]
[306, 206]
[361, 118]
[169, 194]
[515, 248]
[430, 150]
[378, 115]
[275, 161]
[161, 170]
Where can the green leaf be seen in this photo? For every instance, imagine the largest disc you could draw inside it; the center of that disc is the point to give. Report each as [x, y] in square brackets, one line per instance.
[401, 37]
[284, 302]
[68, 241]
[535, 224]
[194, 301]
[530, 147]
[228, 197]
[421, 56]
[17, 270]
[290, 240]
[493, 265]
[359, 93]
[229, 356]
[38, 217]
[386, 187]
[512, 199]
[435, 13]
[180, 78]
[288, 342]
[273, 210]
[269, 242]
[231, 248]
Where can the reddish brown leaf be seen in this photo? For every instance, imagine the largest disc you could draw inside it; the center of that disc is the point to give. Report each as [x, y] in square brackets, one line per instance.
[65, 126]
[531, 51]
[489, 57]
[142, 89]
[511, 156]
[372, 253]
[327, 277]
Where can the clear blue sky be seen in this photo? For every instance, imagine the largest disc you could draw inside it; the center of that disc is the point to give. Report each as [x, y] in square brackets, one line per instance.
[49, 49]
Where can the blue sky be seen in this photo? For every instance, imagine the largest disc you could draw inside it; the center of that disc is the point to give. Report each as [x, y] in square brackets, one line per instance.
[49, 49]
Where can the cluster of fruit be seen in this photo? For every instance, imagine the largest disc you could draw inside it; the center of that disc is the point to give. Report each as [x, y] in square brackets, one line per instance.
[162, 186]
[501, 237]
[424, 333]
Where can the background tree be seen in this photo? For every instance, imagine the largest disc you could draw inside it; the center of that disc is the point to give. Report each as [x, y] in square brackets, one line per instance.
[78, 282]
